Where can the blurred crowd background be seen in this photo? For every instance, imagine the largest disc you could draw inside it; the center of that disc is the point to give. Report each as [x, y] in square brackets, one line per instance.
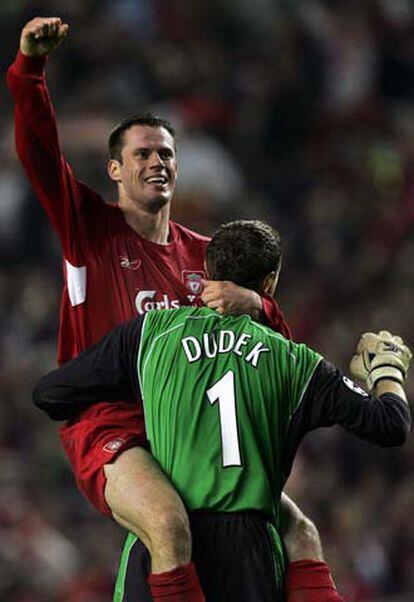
[297, 112]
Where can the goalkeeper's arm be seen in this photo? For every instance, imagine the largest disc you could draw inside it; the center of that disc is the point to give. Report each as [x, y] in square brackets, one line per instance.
[381, 416]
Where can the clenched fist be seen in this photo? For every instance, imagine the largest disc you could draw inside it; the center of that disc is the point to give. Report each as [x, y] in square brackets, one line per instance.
[381, 356]
[42, 35]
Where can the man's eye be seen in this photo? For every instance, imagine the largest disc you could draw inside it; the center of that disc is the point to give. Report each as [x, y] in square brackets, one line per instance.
[166, 154]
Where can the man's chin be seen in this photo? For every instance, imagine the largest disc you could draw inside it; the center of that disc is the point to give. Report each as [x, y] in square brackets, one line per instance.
[155, 204]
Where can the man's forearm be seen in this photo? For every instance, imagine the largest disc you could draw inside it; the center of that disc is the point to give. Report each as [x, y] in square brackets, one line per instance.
[390, 386]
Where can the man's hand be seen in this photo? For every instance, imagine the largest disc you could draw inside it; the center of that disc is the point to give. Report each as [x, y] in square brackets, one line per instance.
[42, 35]
[229, 299]
[380, 356]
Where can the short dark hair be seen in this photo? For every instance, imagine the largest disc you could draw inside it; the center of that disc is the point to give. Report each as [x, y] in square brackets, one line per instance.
[245, 252]
[116, 137]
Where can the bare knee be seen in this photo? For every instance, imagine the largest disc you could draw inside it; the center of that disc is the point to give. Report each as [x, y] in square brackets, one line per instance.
[300, 535]
[171, 530]
[307, 543]
[143, 501]
[167, 537]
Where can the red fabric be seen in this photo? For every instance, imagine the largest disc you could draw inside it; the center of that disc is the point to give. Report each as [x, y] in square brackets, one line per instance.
[123, 274]
[179, 585]
[310, 581]
[97, 439]
[274, 317]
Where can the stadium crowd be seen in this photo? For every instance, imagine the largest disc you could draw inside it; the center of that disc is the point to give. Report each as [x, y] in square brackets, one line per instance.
[300, 112]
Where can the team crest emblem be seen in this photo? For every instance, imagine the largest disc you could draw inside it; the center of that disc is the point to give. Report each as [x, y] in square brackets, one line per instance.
[112, 446]
[351, 385]
[192, 280]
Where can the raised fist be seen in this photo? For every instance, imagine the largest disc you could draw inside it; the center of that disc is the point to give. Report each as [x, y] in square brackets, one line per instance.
[42, 35]
[381, 356]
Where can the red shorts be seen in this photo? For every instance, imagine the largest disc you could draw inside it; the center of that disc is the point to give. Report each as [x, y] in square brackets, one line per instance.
[96, 438]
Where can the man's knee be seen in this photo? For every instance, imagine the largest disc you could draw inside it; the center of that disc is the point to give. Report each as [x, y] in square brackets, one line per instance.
[169, 530]
[300, 535]
[143, 501]
[308, 539]
[172, 529]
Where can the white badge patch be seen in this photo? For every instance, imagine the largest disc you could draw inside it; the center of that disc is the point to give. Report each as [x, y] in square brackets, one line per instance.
[112, 446]
[76, 279]
[351, 385]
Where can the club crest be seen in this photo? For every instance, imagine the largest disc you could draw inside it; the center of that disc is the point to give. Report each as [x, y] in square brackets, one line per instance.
[192, 280]
[112, 446]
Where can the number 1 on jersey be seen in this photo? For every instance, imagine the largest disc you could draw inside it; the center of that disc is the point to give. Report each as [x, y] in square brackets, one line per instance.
[224, 392]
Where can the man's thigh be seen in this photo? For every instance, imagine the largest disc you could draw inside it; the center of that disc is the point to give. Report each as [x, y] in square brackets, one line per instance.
[97, 438]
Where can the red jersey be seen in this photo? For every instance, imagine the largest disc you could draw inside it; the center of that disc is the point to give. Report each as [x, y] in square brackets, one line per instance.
[111, 272]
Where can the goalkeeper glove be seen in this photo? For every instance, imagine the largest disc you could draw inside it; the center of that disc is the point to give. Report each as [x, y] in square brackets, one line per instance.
[380, 356]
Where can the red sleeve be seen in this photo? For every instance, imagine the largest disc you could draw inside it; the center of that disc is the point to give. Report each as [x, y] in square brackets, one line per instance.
[274, 317]
[37, 145]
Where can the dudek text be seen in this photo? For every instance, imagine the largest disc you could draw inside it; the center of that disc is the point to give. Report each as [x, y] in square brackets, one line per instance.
[222, 341]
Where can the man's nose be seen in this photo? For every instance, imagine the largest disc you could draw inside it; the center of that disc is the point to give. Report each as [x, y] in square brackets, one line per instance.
[156, 160]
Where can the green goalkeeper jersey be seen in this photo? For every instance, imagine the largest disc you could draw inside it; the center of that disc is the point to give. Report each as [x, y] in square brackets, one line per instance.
[227, 403]
[218, 395]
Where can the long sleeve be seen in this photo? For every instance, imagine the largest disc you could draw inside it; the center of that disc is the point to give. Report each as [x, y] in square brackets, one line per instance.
[332, 398]
[38, 148]
[105, 371]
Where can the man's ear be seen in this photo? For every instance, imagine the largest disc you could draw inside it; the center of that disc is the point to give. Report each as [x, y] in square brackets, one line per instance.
[270, 282]
[114, 171]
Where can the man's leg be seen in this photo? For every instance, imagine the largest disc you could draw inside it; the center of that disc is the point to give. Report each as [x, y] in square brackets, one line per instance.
[143, 501]
[308, 578]
[122, 480]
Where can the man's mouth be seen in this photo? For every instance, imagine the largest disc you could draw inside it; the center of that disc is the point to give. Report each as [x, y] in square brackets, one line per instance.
[157, 180]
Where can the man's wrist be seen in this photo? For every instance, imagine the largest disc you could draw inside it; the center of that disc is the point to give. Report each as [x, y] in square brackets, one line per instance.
[385, 386]
[29, 65]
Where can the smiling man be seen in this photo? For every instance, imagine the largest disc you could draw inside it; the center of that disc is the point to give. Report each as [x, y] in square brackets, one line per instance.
[143, 163]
